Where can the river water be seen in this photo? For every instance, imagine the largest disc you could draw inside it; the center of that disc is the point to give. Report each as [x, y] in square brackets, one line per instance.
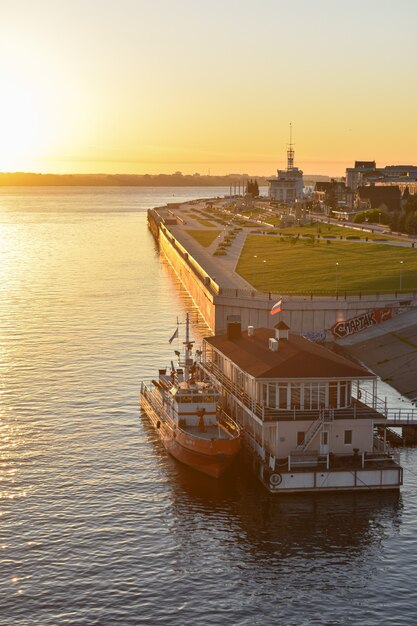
[98, 526]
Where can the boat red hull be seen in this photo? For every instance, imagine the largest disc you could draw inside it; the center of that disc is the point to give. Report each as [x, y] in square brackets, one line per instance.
[209, 456]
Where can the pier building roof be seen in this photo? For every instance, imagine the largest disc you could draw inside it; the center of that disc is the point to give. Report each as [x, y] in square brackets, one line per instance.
[296, 357]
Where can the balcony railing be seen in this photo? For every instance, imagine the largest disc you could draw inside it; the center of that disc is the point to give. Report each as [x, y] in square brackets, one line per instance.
[368, 407]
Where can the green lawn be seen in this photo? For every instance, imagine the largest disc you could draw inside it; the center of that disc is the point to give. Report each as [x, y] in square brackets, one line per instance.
[204, 237]
[206, 223]
[285, 267]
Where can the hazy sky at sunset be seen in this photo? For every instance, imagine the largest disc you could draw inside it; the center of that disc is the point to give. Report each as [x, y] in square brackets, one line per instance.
[140, 86]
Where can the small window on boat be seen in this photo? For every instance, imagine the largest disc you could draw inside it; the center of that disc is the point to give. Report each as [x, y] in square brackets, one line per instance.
[348, 437]
[184, 399]
[300, 437]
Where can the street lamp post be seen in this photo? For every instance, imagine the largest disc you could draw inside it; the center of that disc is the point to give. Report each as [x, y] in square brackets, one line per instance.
[255, 256]
[401, 274]
[337, 276]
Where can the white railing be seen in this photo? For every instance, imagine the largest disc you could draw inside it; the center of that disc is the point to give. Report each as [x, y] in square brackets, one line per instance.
[367, 406]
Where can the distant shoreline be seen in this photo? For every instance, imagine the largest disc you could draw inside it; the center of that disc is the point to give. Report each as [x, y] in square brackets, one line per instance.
[28, 179]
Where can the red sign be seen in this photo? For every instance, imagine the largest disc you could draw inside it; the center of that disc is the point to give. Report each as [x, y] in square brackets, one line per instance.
[356, 324]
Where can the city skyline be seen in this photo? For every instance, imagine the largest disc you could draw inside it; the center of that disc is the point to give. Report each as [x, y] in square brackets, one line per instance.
[139, 87]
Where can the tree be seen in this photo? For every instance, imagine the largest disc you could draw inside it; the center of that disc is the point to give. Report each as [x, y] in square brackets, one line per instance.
[411, 204]
[252, 187]
[411, 223]
[331, 200]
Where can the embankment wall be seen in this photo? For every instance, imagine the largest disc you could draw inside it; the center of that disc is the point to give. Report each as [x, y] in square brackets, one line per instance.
[187, 272]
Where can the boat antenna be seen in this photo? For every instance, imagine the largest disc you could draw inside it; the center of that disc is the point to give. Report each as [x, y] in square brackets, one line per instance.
[188, 345]
[187, 328]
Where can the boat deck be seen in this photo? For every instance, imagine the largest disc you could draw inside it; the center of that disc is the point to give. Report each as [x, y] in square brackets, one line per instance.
[210, 432]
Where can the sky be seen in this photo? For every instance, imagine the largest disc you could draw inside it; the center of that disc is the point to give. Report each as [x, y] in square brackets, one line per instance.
[138, 86]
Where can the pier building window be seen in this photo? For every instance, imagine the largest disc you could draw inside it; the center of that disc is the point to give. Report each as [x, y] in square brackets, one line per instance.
[348, 437]
[308, 394]
[314, 396]
[264, 394]
[274, 395]
[283, 396]
[295, 395]
[344, 393]
[272, 402]
[333, 395]
[322, 392]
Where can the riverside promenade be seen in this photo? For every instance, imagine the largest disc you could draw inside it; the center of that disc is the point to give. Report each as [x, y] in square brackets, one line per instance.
[389, 349]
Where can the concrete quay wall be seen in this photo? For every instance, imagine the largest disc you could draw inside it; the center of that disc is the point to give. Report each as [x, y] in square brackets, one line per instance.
[309, 316]
[199, 286]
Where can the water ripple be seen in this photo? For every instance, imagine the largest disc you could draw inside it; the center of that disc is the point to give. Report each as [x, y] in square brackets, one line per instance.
[98, 525]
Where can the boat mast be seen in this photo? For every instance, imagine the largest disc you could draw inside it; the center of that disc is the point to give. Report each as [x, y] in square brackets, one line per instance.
[187, 329]
[187, 346]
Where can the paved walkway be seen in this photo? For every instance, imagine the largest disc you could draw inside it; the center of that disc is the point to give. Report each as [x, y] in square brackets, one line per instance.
[220, 268]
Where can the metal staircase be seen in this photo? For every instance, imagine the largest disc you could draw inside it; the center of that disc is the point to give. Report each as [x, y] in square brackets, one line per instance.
[311, 433]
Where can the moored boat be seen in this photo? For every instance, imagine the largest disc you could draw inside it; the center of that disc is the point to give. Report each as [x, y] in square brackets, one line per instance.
[188, 416]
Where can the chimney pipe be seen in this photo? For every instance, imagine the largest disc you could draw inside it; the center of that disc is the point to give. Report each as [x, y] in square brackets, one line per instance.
[234, 329]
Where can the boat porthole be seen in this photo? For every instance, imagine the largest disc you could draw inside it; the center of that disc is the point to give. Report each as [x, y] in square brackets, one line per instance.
[158, 424]
[275, 479]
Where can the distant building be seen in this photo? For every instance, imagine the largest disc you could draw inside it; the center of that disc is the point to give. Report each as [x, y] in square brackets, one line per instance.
[366, 173]
[355, 175]
[383, 197]
[335, 194]
[288, 185]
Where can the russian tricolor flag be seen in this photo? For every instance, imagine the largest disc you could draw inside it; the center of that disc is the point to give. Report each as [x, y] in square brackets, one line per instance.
[173, 336]
[277, 308]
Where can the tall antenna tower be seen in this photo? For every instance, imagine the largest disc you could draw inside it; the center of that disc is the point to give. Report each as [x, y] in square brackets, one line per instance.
[290, 151]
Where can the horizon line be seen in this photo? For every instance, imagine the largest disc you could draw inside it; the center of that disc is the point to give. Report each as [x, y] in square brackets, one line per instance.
[33, 173]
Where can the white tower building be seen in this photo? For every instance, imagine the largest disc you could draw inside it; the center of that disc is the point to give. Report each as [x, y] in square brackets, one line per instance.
[288, 185]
